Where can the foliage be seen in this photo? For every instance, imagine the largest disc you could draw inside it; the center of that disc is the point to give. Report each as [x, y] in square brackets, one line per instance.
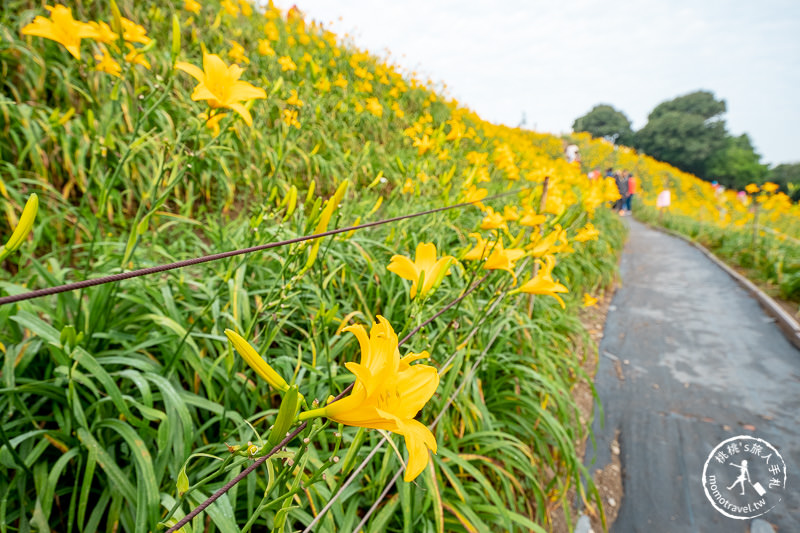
[689, 133]
[605, 121]
[684, 132]
[787, 175]
[737, 164]
[124, 405]
[699, 103]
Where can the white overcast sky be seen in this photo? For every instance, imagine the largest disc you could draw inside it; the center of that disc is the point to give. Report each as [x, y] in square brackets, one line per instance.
[555, 60]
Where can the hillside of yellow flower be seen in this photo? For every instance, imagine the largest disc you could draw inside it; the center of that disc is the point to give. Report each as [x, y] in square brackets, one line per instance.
[147, 133]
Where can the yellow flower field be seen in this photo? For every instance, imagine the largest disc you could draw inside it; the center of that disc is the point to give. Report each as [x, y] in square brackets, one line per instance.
[201, 202]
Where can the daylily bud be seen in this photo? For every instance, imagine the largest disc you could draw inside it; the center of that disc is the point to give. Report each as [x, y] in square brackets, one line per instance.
[310, 193]
[256, 362]
[339, 194]
[376, 206]
[285, 418]
[176, 38]
[182, 483]
[291, 202]
[23, 228]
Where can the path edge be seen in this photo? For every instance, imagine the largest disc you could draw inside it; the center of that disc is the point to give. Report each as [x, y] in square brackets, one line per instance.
[787, 324]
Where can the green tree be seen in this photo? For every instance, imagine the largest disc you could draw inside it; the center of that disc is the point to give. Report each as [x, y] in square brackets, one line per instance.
[700, 103]
[787, 175]
[605, 121]
[685, 132]
[736, 164]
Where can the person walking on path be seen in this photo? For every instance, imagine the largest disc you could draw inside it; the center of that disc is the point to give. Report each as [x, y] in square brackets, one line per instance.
[621, 179]
[632, 188]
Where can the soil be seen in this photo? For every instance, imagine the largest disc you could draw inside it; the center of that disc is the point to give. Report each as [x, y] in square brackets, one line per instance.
[609, 480]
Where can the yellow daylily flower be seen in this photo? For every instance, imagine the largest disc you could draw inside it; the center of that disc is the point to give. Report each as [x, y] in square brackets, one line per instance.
[398, 111]
[388, 393]
[547, 244]
[192, 6]
[294, 99]
[752, 188]
[323, 85]
[423, 144]
[493, 220]
[246, 8]
[212, 122]
[103, 33]
[770, 187]
[219, 84]
[475, 195]
[256, 362]
[502, 258]
[374, 107]
[363, 86]
[265, 47]
[456, 130]
[483, 175]
[555, 204]
[271, 31]
[61, 28]
[589, 300]
[105, 63]
[133, 32]
[587, 233]
[424, 262]
[530, 218]
[481, 248]
[543, 283]
[287, 63]
[477, 158]
[136, 57]
[23, 228]
[289, 117]
[237, 53]
[230, 7]
[510, 213]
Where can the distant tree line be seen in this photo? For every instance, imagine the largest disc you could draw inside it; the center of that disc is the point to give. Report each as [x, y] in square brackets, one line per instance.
[689, 133]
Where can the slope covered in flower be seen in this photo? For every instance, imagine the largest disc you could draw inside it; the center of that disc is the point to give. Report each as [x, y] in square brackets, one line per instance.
[154, 132]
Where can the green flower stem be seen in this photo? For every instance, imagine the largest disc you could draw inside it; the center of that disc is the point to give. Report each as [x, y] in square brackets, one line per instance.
[313, 413]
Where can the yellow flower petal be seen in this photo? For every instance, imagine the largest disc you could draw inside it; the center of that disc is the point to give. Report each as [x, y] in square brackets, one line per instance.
[241, 90]
[243, 112]
[419, 440]
[191, 70]
[403, 267]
